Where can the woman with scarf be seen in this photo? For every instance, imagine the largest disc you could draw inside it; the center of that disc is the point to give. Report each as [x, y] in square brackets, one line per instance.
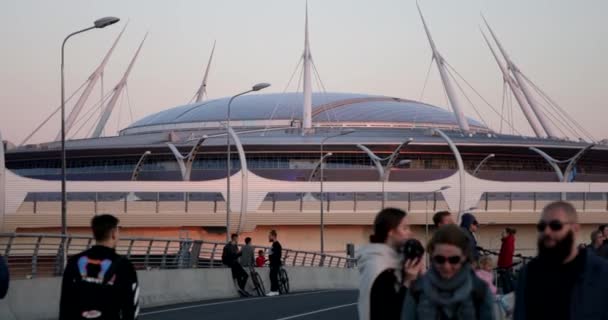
[449, 290]
[384, 275]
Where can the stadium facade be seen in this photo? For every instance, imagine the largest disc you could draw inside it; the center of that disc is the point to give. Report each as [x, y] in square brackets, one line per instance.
[166, 174]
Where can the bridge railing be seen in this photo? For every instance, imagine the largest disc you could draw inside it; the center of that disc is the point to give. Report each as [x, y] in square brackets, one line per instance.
[39, 255]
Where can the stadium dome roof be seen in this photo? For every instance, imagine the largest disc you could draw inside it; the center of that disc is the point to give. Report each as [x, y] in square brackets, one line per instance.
[327, 108]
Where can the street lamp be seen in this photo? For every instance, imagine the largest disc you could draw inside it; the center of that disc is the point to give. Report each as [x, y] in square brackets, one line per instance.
[426, 233]
[386, 174]
[256, 87]
[321, 196]
[97, 24]
[488, 157]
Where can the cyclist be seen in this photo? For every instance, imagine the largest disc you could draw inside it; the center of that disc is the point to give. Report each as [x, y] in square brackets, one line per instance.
[274, 258]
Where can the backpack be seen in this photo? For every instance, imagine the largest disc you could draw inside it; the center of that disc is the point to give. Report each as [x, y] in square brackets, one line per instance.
[478, 294]
[95, 291]
[4, 277]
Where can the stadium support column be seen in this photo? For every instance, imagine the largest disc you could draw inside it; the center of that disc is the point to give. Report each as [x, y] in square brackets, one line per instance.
[461, 172]
[544, 121]
[202, 90]
[521, 100]
[307, 105]
[107, 111]
[447, 84]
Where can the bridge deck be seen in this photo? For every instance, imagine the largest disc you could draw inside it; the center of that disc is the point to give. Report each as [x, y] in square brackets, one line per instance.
[327, 304]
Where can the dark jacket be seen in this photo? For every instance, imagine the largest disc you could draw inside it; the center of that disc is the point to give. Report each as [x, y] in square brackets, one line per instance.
[4, 277]
[82, 289]
[386, 297]
[275, 255]
[467, 220]
[230, 254]
[588, 301]
[603, 250]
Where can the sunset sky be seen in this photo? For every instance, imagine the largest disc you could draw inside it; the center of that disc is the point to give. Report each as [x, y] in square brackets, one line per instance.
[359, 46]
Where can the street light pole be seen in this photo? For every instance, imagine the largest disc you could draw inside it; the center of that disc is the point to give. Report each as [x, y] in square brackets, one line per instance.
[321, 196]
[426, 223]
[488, 157]
[256, 87]
[98, 24]
[386, 175]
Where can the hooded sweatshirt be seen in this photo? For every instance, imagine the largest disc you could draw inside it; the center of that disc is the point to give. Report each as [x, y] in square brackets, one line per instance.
[466, 222]
[374, 259]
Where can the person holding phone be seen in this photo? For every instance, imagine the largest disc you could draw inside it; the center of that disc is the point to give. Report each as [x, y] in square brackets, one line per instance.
[384, 273]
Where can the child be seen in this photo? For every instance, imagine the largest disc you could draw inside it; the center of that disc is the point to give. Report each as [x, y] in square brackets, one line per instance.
[485, 272]
[260, 260]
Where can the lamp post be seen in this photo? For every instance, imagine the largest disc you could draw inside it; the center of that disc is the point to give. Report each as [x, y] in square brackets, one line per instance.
[488, 157]
[256, 87]
[386, 174]
[321, 197]
[426, 219]
[97, 24]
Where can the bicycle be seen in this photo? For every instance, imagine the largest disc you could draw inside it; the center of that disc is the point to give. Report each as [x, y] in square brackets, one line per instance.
[283, 281]
[258, 284]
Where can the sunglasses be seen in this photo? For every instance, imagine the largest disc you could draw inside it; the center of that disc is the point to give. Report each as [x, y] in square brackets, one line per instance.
[452, 260]
[554, 225]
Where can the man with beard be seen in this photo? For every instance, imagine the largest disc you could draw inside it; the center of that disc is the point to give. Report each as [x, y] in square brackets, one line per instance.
[562, 282]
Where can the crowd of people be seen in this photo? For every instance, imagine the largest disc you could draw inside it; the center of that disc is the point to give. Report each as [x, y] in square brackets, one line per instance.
[98, 283]
[563, 281]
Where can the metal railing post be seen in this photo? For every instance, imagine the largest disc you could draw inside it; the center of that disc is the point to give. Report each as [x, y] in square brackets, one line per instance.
[196, 251]
[212, 262]
[163, 262]
[9, 245]
[295, 258]
[35, 257]
[147, 257]
[130, 248]
[304, 260]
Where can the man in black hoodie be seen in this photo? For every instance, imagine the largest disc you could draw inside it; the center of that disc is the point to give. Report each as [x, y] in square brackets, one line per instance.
[230, 257]
[98, 283]
[275, 262]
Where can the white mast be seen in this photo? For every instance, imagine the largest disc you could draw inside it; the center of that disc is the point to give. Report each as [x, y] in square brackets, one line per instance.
[107, 111]
[203, 88]
[307, 105]
[447, 84]
[69, 122]
[516, 92]
[544, 121]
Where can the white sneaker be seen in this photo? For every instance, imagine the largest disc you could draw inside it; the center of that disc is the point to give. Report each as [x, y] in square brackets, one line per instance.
[272, 294]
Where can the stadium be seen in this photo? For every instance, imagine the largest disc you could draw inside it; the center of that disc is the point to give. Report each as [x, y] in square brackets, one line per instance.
[301, 159]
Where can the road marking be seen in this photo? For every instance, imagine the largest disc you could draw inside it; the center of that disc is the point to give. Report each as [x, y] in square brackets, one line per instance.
[317, 311]
[231, 301]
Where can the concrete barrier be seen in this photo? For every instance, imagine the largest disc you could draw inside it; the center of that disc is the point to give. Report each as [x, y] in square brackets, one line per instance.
[38, 299]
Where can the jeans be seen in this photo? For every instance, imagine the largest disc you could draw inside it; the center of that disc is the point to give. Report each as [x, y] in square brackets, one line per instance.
[240, 275]
[274, 278]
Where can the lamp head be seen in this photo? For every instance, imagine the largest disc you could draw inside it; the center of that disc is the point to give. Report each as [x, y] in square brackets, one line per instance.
[260, 86]
[105, 21]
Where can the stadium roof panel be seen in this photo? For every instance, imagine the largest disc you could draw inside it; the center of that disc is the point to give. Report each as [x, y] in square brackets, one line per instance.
[327, 107]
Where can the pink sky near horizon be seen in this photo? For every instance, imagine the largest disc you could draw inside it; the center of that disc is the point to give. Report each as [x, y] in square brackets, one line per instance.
[374, 47]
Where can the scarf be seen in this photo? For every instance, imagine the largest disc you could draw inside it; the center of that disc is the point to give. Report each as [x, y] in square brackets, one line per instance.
[372, 260]
[453, 297]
